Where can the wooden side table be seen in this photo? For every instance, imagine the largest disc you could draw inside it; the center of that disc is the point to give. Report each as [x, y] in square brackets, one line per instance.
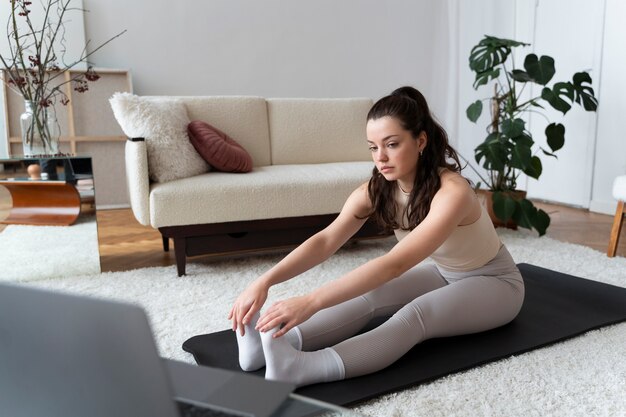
[42, 202]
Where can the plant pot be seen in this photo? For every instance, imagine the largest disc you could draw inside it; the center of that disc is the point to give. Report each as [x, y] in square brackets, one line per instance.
[40, 131]
[486, 199]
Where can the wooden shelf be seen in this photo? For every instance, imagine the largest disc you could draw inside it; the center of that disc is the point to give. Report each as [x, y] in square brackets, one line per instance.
[88, 127]
[86, 118]
[80, 139]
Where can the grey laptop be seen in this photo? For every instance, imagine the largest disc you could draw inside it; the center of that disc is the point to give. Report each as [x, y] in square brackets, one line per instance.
[70, 356]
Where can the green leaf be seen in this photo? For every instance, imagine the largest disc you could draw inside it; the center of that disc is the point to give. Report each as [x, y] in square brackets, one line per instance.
[493, 151]
[520, 76]
[521, 156]
[474, 110]
[553, 96]
[503, 206]
[555, 134]
[513, 128]
[541, 221]
[524, 139]
[529, 217]
[535, 168]
[484, 77]
[534, 103]
[584, 93]
[525, 214]
[564, 89]
[549, 154]
[541, 70]
[490, 52]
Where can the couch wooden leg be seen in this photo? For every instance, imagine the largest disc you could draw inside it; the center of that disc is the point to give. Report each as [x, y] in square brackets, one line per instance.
[166, 243]
[180, 249]
[617, 228]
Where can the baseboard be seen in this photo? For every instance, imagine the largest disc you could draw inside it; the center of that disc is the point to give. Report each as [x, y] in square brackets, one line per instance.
[112, 206]
[558, 203]
[603, 207]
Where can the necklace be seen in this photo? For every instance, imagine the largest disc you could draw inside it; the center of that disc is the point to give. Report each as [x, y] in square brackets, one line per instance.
[404, 192]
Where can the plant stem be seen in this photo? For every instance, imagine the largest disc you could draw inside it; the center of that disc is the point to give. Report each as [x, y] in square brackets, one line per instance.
[520, 107]
[474, 169]
[20, 57]
[83, 58]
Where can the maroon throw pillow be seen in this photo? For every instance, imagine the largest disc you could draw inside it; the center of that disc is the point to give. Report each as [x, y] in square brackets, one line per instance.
[218, 149]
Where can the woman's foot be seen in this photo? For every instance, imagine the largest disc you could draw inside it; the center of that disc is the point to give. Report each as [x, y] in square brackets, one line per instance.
[251, 357]
[285, 363]
[250, 348]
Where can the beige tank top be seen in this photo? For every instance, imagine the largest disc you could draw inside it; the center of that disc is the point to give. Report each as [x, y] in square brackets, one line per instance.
[468, 247]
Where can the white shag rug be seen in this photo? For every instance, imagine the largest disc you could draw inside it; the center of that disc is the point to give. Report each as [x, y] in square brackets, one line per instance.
[584, 376]
[29, 253]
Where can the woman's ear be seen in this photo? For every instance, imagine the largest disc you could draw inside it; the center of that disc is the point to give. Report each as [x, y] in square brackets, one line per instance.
[422, 140]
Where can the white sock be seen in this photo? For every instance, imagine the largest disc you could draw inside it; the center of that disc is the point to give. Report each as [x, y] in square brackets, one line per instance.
[284, 363]
[251, 355]
[250, 348]
[294, 337]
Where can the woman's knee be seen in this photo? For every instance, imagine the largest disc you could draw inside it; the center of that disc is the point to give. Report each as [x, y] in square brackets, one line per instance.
[468, 306]
[391, 296]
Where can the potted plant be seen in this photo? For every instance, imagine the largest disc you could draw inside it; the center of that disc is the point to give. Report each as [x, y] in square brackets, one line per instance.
[35, 66]
[509, 148]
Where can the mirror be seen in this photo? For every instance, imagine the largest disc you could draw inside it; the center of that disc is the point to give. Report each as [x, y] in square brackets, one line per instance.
[48, 224]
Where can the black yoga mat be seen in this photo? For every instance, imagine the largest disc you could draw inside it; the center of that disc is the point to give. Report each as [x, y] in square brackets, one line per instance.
[557, 307]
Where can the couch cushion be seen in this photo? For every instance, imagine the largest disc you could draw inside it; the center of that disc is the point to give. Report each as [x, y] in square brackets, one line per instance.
[163, 123]
[305, 131]
[217, 148]
[241, 117]
[265, 192]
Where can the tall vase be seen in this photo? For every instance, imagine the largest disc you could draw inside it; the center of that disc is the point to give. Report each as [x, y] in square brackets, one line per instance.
[40, 130]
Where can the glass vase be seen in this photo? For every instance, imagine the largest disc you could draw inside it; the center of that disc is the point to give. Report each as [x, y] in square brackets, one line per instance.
[40, 130]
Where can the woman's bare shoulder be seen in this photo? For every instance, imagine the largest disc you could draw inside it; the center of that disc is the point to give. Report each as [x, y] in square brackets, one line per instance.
[359, 201]
[455, 187]
[451, 179]
[363, 193]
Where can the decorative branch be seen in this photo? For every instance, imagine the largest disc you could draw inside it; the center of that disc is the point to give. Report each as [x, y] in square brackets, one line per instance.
[32, 65]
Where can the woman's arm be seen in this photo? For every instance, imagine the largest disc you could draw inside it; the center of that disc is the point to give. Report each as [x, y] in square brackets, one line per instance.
[312, 252]
[450, 206]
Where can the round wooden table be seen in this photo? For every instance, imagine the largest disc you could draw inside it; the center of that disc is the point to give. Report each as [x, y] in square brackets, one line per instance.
[42, 202]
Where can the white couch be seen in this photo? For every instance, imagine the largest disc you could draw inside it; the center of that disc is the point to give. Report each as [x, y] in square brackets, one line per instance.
[308, 156]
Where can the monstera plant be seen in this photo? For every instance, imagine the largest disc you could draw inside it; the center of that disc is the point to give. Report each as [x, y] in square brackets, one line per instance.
[509, 148]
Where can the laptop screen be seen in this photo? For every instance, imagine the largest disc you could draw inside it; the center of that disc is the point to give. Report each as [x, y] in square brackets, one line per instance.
[74, 356]
[69, 356]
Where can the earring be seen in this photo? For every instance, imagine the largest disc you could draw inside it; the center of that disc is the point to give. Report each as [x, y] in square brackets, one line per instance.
[421, 152]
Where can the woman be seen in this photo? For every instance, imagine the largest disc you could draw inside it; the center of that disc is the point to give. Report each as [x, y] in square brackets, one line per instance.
[416, 189]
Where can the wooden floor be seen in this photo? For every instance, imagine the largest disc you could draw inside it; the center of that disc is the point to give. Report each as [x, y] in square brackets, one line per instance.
[125, 244]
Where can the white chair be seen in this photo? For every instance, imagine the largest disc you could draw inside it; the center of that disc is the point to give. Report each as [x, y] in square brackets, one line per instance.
[619, 193]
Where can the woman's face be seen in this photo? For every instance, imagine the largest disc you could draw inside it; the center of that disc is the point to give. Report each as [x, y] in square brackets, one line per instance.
[394, 150]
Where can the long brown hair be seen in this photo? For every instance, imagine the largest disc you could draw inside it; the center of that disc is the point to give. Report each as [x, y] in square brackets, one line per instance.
[409, 107]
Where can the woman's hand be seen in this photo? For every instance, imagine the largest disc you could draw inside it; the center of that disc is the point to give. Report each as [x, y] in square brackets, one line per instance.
[289, 313]
[247, 304]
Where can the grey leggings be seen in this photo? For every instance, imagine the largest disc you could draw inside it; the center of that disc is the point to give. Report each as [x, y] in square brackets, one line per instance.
[425, 302]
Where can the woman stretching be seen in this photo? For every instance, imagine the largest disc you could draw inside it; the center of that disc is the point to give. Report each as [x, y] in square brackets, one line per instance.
[417, 191]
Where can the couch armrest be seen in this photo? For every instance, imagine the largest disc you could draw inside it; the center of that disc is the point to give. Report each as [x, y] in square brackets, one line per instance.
[137, 179]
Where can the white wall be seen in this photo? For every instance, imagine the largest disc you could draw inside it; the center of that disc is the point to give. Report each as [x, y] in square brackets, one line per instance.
[271, 48]
[555, 36]
[492, 17]
[287, 48]
[327, 48]
[595, 151]
[610, 152]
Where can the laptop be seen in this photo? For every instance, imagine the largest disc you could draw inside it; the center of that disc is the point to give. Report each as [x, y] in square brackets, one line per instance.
[64, 355]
